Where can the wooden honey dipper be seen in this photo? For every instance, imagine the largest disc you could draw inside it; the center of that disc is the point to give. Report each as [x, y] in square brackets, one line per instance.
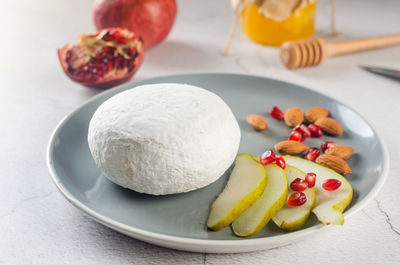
[314, 51]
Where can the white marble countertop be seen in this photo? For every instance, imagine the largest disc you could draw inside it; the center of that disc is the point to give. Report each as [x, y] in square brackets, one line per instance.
[38, 226]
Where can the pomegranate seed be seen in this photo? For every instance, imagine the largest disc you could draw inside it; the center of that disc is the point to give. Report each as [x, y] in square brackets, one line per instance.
[116, 34]
[267, 157]
[326, 145]
[305, 131]
[312, 154]
[280, 161]
[104, 52]
[276, 113]
[131, 64]
[315, 130]
[109, 65]
[107, 36]
[122, 40]
[117, 60]
[331, 184]
[79, 75]
[132, 51]
[296, 136]
[88, 76]
[298, 184]
[296, 199]
[310, 179]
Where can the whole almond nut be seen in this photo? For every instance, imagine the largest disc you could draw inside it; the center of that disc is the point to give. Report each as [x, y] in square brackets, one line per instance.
[315, 113]
[334, 162]
[342, 151]
[290, 147]
[257, 122]
[293, 117]
[330, 126]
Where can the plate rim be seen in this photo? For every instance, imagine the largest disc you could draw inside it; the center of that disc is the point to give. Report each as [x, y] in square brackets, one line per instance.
[196, 244]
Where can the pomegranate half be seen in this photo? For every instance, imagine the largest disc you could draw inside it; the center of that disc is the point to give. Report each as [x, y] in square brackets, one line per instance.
[103, 60]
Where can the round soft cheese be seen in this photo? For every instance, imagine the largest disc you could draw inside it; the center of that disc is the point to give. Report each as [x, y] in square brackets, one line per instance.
[164, 138]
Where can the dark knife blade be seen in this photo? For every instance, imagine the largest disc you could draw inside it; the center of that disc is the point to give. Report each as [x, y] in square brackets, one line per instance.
[395, 74]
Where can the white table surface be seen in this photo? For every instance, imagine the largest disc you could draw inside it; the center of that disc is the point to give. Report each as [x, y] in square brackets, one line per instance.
[38, 226]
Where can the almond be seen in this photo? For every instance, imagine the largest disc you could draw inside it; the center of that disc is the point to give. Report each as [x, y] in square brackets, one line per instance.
[330, 126]
[293, 117]
[315, 113]
[290, 147]
[334, 162]
[257, 122]
[342, 151]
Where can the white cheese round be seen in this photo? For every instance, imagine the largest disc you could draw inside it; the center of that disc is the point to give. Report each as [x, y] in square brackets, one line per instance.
[164, 138]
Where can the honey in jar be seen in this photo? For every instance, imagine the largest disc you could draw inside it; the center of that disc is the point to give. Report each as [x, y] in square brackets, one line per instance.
[273, 22]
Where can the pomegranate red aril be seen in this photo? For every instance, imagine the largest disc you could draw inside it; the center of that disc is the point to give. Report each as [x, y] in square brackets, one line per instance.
[315, 130]
[276, 113]
[305, 131]
[131, 50]
[122, 40]
[116, 34]
[331, 184]
[280, 161]
[298, 184]
[295, 136]
[267, 157]
[312, 154]
[327, 145]
[105, 59]
[297, 199]
[310, 179]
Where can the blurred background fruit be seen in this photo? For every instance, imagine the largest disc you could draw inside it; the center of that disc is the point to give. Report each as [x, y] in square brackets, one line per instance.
[150, 19]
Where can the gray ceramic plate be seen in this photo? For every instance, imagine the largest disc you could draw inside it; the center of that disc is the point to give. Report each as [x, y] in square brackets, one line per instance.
[178, 221]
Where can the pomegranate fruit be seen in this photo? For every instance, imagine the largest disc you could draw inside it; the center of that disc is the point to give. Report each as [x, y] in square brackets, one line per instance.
[331, 184]
[276, 113]
[326, 145]
[280, 161]
[296, 199]
[304, 130]
[315, 130]
[296, 136]
[298, 184]
[312, 154]
[150, 19]
[267, 157]
[105, 59]
[310, 179]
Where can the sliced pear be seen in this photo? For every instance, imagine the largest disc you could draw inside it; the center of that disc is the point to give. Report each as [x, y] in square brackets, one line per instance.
[291, 218]
[329, 205]
[245, 185]
[273, 198]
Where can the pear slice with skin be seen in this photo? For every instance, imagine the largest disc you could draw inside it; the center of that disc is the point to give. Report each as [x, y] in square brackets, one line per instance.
[291, 218]
[329, 205]
[260, 213]
[245, 185]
